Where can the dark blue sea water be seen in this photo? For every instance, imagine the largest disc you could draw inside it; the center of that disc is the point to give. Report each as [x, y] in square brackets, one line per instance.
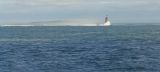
[80, 49]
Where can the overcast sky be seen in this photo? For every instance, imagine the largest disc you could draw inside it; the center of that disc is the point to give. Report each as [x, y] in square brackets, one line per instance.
[117, 10]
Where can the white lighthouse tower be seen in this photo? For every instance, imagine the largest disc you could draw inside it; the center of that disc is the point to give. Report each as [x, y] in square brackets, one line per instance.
[107, 22]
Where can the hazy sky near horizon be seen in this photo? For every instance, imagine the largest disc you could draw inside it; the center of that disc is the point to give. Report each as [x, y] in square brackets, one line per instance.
[117, 10]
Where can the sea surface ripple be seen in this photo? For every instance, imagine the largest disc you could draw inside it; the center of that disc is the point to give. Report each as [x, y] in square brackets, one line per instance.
[80, 49]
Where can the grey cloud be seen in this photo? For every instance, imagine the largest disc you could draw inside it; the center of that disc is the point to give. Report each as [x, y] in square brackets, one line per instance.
[43, 9]
[53, 3]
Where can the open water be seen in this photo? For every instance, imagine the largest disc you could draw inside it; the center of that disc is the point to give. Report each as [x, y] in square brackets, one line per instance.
[80, 49]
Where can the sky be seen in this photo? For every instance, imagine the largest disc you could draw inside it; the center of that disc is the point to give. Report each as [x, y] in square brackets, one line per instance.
[118, 11]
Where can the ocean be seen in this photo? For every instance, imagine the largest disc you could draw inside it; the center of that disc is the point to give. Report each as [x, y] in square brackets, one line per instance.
[80, 49]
